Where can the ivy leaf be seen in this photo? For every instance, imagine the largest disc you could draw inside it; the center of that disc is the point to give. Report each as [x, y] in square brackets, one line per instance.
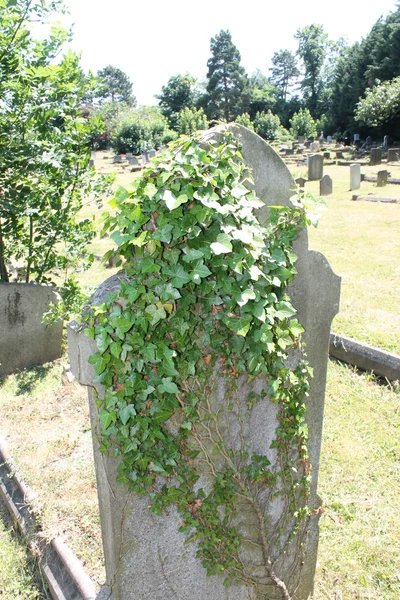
[106, 418]
[168, 386]
[156, 313]
[126, 413]
[192, 255]
[295, 328]
[200, 271]
[150, 190]
[162, 416]
[172, 201]
[179, 276]
[147, 265]
[246, 296]
[222, 245]
[285, 310]
[241, 325]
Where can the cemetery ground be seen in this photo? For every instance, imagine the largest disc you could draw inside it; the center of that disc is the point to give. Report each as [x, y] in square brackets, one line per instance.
[46, 425]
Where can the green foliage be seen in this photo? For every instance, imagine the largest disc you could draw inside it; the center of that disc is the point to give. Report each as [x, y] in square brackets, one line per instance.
[302, 123]
[381, 104]
[176, 95]
[227, 79]
[44, 150]
[115, 86]
[205, 290]
[313, 44]
[267, 125]
[261, 95]
[284, 71]
[140, 129]
[191, 120]
[244, 119]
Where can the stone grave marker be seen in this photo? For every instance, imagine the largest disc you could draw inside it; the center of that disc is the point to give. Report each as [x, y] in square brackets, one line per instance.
[385, 144]
[315, 164]
[145, 157]
[327, 155]
[329, 139]
[393, 155]
[339, 154]
[368, 142]
[376, 156]
[132, 160]
[314, 147]
[152, 153]
[355, 176]
[382, 178]
[325, 186]
[128, 155]
[118, 158]
[146, 557]
[356, 137]
[301, 139]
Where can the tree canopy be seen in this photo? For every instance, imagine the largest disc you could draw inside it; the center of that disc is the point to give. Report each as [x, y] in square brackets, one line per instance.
[115, 85]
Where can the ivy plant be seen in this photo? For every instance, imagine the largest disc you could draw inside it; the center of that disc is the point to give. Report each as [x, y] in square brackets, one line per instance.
[204, 300]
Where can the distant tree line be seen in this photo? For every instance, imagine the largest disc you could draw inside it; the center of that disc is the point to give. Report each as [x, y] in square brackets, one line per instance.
[324, 86]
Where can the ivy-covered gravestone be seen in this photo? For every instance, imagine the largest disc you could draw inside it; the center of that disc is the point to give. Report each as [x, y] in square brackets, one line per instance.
[206, 359]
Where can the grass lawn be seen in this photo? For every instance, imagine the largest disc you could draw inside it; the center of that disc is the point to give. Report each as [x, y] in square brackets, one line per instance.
[45, 418]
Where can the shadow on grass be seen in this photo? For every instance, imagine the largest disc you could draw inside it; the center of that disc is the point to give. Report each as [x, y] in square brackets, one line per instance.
[27, 380]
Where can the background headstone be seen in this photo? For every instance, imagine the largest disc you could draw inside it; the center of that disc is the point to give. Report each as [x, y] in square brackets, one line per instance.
[393, 154]
[327, 155]
[356, 137]
[329, 139]
[376, 156]
[301, 182]
[325, 186]
[314, 147]
[355, 176]
[382, 178]
[368, 142]
[315, 164]
[385, 144]
[146, 557]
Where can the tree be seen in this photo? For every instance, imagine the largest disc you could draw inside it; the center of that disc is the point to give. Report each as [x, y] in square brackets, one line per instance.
[227, 79]
[177, 94]
[313, 43]
[115, 85]
[381, 105]
[44, 150]
[262, 94]
[191, 120]
[267, 125]
[140, 129]
[284, 71]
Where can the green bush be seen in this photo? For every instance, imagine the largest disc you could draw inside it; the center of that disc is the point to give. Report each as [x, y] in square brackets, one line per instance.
[139, 130]
[191, 120]
[302, 123]
[267, 125]
[244, 119]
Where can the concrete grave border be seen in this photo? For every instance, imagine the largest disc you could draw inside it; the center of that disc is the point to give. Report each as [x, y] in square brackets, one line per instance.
[62, 570]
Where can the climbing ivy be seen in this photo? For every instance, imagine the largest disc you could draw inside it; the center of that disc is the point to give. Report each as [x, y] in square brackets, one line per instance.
[202, 304]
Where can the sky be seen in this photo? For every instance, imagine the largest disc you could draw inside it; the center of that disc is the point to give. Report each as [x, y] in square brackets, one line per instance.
[152, 40]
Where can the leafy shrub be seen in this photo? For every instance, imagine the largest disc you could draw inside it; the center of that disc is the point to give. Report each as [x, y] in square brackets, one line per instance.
[244, 119]
[191, 120]
[139, 130]
[302, 123]
[267, 125]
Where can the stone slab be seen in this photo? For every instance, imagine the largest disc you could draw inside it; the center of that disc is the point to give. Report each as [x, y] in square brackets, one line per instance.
[25, 341]
[365, 357]
[376, 199]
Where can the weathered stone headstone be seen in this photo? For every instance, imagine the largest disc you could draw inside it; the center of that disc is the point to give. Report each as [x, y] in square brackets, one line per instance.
[314, 147]
[339, 154]
[327, 155]
[301, 182]
[128, 155]
[146, 557]
[385, 144]
[325, 186]
[382, 178]
[329, 139]
[152, 153]
[315, 164]
[145, 157]
[376, 156]
[132, 160]
[26, 341]
[356, 137]
[118, 159]
[393, 155]
[368, 142]
[355, 176]
[301, 139]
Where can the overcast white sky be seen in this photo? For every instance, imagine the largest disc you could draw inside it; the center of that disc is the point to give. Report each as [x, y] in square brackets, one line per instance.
[150, 40]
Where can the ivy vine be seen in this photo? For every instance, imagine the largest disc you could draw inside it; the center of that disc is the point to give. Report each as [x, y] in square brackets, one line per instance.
[204, 300]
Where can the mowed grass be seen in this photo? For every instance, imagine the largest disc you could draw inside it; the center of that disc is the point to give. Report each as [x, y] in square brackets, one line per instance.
[46, 424]
[361, 240]
[19, 575]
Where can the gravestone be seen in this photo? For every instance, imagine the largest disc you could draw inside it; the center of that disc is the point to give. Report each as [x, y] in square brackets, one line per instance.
[376, 156]
[355, 176]
[118, 159]
[132, 160]
[301, 182]
[339, 154]
[329, 139]
[146, 557]
[327, 155]
[315, 164]
[356, 137]
[314, 147]
[368, 142]
[128, 155]
[382, 178]
[25, 340]
[393, 155]
[301, 139]
[145, 157]
[152, 153]
[325, 186]
[385, 144]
